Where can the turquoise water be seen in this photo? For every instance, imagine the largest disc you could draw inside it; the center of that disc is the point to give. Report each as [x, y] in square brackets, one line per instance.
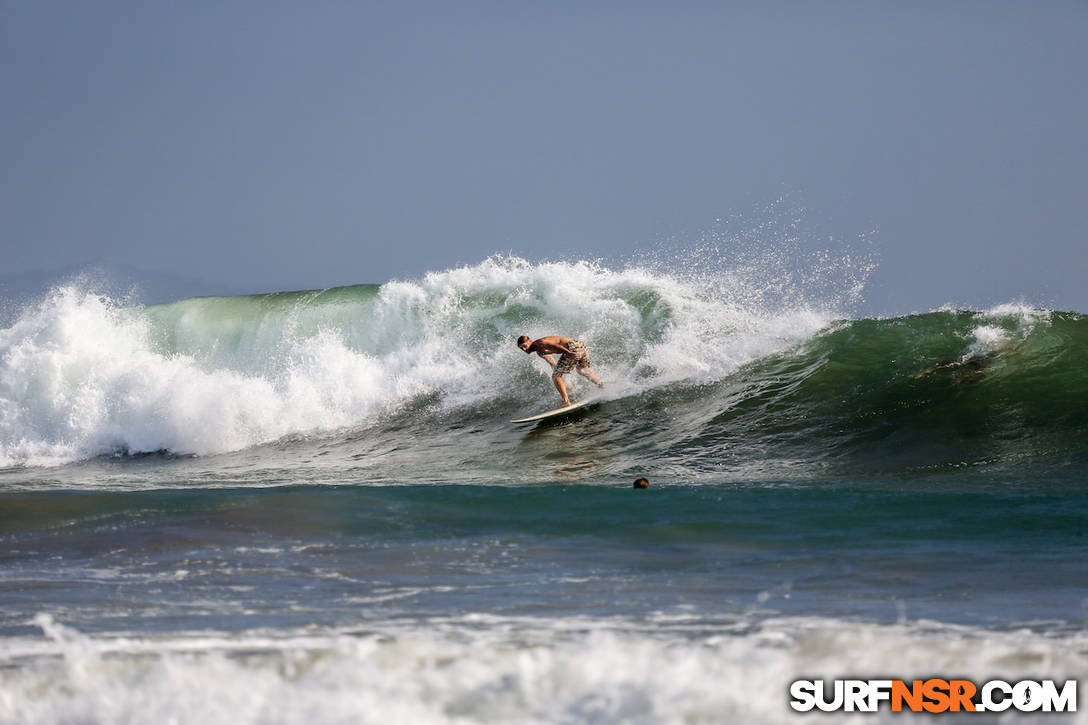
[312, 505]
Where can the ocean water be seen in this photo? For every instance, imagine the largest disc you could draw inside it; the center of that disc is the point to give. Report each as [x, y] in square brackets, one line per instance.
[310, 506]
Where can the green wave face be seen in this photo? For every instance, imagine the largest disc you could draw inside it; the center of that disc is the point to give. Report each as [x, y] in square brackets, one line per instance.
[939, 391]
[241, 331]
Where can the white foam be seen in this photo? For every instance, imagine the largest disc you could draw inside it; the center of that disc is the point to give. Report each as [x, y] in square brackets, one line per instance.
[1019, 310]
[987, 338]
[488, 669]
[82, 376]
[1005, 326]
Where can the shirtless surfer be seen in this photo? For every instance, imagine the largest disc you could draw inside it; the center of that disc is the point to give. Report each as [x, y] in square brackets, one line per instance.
[573, 355]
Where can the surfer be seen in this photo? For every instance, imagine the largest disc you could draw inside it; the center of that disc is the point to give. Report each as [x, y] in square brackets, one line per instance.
[573, 355]
[968, 369]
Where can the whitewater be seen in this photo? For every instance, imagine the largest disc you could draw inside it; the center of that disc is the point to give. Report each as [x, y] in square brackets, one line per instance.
[310, 505]
[85, 376]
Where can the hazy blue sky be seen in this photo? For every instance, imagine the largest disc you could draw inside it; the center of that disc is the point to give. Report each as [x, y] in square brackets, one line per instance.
[267, 146]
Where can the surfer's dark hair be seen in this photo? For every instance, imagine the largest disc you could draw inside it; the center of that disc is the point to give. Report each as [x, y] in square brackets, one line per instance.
[523, 339]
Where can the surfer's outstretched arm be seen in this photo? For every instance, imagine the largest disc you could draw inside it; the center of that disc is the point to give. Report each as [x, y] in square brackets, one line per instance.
[549, 359]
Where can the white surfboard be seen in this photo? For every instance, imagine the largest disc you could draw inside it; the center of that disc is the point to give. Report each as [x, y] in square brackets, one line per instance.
[558, 411]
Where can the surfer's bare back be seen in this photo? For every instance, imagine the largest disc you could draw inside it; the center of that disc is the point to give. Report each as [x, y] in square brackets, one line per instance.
[572, 353]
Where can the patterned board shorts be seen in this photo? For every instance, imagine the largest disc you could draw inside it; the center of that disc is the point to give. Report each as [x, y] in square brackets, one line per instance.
[578, 357]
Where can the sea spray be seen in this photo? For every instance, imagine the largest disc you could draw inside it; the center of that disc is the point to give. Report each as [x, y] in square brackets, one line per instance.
[82, 376]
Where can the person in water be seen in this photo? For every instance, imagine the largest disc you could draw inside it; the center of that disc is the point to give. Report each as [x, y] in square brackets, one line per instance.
[968, 369]
[573, 355]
